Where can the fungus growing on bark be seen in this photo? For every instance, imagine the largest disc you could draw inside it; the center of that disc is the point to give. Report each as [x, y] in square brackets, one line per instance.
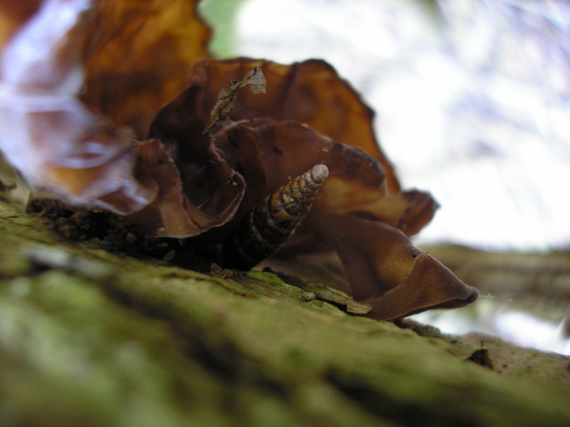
[76, 110]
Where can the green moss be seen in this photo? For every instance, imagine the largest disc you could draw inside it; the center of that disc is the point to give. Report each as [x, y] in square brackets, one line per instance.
[88, 337]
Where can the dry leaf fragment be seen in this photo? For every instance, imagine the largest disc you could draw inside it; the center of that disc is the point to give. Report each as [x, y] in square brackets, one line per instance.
[254, 80]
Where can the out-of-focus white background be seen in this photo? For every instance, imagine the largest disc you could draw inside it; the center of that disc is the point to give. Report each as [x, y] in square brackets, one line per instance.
[473, 104]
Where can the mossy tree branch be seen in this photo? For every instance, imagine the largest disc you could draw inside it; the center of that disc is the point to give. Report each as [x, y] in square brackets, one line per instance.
[90, 337]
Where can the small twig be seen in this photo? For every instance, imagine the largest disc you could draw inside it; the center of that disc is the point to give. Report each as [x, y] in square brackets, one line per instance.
[254, 80]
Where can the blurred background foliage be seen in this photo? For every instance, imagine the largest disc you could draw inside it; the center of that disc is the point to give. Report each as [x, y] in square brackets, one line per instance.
[221, 16]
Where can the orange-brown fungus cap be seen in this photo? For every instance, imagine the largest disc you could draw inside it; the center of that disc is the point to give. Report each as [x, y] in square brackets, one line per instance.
[137, 55]
[309, 92]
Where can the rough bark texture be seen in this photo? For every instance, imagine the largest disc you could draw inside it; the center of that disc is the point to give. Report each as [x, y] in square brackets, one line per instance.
[90, 337]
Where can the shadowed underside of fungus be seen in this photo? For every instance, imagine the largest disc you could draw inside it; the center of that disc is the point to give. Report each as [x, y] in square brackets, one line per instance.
[83, 83]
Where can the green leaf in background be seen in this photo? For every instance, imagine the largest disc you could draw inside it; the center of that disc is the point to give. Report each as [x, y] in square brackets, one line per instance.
[221, 16]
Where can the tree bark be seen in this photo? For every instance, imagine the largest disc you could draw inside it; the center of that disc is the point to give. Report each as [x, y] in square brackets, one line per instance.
[95, 338]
